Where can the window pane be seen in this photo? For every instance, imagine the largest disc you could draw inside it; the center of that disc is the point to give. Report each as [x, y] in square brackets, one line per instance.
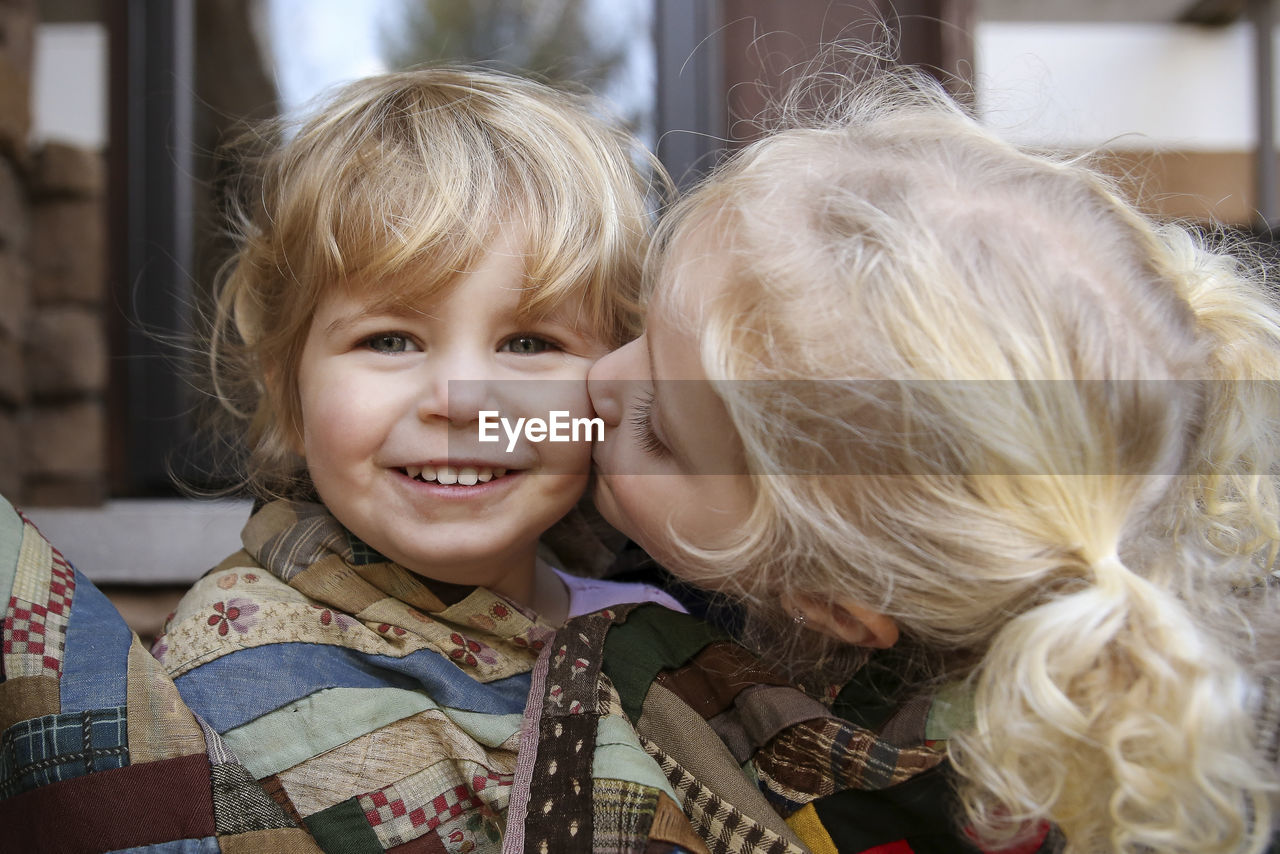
[603, 44]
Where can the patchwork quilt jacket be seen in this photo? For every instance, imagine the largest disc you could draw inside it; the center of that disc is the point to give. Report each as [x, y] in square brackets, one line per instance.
[316, 697]
[310, 695]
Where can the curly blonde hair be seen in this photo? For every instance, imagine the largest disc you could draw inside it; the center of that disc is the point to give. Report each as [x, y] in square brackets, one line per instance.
[414, 172]
[978, 391]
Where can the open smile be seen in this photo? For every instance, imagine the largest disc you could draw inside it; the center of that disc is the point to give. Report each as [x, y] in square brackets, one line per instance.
[451, 475]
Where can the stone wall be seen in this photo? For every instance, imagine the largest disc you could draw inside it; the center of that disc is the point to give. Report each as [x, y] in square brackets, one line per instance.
[65, 347]
[52, 297]
[17, 30]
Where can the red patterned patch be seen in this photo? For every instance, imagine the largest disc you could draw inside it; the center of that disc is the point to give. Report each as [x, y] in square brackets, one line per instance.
[62, 585]
[24, 634]
[380, 809]
[376, 808]
[235, 614]
[493, 778]
[35, 634]
[464, 650]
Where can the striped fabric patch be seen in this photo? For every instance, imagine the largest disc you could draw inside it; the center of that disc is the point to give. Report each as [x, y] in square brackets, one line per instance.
[235, 689]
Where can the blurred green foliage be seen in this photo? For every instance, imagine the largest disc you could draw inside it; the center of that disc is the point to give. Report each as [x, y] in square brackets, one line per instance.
[551, 38]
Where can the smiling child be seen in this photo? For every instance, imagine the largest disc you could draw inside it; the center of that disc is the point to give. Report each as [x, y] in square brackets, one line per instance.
[427, 246]
[388, 403]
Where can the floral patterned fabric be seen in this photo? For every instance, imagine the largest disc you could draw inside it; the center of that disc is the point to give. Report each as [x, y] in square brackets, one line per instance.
[379, 710]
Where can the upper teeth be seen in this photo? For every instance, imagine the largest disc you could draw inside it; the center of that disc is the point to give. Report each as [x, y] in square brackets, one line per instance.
[449, 475]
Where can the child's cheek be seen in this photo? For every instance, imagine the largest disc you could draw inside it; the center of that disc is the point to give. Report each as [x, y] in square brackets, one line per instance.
[342, 410]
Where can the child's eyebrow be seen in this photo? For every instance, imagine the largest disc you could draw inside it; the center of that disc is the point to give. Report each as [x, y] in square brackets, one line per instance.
[390, 311]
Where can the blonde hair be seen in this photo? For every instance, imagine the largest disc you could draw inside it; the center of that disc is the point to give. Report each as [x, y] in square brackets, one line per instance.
[414, 172]
[982, 394]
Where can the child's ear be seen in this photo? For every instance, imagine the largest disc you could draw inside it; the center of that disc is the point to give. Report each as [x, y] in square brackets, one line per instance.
[846, 620]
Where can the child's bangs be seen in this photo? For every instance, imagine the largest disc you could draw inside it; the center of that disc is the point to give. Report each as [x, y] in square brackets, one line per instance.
[394, 228]
[409, 255]
[409, 270]
[388, 285]
[577, 268]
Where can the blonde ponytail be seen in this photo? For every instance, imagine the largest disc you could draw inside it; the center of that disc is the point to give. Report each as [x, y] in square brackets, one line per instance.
[1109, 710]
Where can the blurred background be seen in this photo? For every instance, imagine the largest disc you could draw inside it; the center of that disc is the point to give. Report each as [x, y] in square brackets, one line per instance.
[112, 112]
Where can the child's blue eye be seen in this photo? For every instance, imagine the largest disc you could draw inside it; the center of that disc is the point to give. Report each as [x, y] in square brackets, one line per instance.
[527, 345]
[388, 342]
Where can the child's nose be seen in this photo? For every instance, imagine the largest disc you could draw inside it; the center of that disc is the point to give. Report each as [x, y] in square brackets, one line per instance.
[466, 398]
[609, 378]
[454, 392]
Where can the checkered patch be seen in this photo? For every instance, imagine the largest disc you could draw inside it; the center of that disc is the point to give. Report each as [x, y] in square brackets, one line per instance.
[53, 748]
[62, 585]
[623, 815]
[724, 828]
[33, 634]
[363, 554]
[24, 631]
[493, 778]
[404, 823]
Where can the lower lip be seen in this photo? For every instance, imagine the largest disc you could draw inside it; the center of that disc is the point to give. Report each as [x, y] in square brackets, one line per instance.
[457, 492]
